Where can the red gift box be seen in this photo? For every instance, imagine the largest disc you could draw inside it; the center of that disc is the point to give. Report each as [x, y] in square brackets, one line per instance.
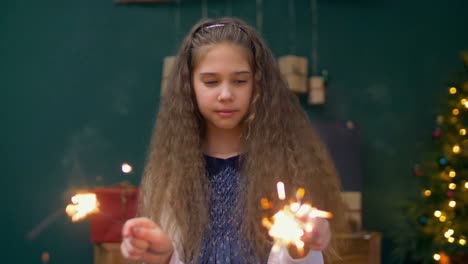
[116, 205]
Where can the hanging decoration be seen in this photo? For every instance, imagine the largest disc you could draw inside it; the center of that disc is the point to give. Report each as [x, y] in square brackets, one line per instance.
[293, 68]
[167, 68]
[316, 81]
[316, 90]
[169, 61]
[294, 71]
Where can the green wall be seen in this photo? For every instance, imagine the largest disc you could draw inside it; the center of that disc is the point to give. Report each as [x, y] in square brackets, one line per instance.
[80, 88]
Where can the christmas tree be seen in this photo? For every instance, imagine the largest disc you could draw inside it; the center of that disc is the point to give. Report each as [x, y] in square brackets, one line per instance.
[435, 225]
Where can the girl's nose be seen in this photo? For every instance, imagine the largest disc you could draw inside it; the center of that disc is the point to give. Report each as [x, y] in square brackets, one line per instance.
[225, 93]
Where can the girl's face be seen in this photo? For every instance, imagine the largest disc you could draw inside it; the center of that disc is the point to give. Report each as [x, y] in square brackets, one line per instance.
[223, 82]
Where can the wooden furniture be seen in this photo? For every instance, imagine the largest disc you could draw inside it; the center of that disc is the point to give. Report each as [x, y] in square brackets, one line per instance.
[360, 248]
[109, 253]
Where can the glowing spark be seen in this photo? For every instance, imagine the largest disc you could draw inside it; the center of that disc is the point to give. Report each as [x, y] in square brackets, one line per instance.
[300, 194]
[126, 168]
[281, 192]
[265, 203]
[285, 227]
[82, 205]
[288, 226]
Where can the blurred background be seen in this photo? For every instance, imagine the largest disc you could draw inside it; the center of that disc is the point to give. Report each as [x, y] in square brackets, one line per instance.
[81, 81]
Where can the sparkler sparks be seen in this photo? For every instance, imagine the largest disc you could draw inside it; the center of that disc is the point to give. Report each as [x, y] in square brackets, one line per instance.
[289, 225]
[82, 205]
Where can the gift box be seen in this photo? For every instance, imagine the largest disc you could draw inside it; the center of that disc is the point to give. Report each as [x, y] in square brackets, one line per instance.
[359, 248]
[168, 66]
[316, 90]
[116, 205]
[352, 201]
[294, 71]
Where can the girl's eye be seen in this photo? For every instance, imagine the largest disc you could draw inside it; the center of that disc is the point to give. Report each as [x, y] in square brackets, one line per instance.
[240, 81]
[214, 82]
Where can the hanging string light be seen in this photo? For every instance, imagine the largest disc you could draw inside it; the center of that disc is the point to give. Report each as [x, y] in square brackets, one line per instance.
[427, 193]
[452, 90]
[462, 241]
[456, 149]
[452, 174]
[449, 233]
[452, 203]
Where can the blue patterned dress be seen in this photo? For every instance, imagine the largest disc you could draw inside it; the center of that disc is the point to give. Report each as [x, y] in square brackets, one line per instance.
[222, 242]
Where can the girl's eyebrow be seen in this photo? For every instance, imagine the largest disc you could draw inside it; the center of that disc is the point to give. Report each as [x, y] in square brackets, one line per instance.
[207, 73]
[242, 72]
[214, 73]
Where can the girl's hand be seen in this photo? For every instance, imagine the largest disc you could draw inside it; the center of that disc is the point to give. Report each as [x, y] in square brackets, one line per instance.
[318, 239]
[320, 236]
[143, 240]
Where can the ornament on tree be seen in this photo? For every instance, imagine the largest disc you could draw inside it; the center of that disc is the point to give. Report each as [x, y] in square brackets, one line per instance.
[443, 161]
[437, 133]
[450, 194]
[440, 120]
[444, 259]
[417, 171]
[422, 220]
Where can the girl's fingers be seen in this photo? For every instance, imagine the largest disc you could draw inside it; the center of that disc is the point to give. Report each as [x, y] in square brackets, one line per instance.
[156, 238]
[143, 240]
[138, 243]
[320, 236]
[131, 250]
[128, 252]
[136, 222]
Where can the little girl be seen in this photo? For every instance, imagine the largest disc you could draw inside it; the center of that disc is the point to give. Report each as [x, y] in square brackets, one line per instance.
[228, 129]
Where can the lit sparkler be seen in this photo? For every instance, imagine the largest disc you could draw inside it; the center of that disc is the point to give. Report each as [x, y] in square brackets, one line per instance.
[289, 225]
[82, 205]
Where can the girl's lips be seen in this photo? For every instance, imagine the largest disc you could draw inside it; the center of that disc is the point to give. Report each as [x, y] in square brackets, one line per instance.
[225, 113]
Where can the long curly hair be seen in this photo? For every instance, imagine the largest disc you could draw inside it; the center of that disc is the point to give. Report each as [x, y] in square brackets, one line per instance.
[278, 143]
